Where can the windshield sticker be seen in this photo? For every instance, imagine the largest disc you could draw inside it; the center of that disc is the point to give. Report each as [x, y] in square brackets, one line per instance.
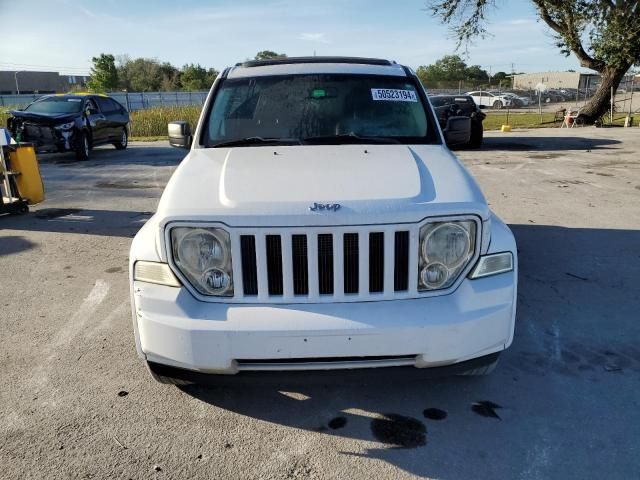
[393, 95]
[74, 99]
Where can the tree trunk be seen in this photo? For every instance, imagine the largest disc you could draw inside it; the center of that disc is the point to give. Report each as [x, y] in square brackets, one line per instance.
[599, 104]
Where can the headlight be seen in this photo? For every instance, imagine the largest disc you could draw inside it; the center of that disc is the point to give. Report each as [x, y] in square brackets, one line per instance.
[203, 256]
[445, 250]
[65, 126]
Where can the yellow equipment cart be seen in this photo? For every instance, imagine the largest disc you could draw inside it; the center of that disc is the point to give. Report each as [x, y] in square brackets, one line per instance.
[20, 181]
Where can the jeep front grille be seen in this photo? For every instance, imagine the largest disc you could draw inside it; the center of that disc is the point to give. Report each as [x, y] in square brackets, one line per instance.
[325, 264]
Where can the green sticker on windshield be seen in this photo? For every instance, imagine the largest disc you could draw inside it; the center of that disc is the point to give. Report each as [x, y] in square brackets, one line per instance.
[318, 93]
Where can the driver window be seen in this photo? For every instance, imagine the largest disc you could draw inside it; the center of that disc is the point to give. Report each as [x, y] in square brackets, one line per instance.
[91, 107]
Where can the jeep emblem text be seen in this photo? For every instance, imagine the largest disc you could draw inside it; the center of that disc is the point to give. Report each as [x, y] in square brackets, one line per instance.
[318, 207]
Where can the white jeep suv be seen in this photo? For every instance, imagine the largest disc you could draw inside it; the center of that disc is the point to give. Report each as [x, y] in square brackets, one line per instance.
[320, 222]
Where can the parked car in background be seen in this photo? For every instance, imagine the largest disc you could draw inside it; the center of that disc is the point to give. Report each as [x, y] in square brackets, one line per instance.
[71, 122]
[447, 106]
[319, 222]
[492, 100]
[517, 100]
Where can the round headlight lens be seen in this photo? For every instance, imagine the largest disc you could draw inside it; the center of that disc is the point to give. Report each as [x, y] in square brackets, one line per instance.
[216, 280]
[434, 275]
[448, 244]
[203, 256]
[200, 249]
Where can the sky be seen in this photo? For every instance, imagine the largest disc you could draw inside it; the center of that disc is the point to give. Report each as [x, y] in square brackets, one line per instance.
[63, 35]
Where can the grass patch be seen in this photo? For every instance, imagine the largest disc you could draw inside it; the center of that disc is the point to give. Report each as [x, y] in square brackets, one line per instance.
[148, 139]
[495, 120]
[3, 118]
[153, 121]
[519, 120]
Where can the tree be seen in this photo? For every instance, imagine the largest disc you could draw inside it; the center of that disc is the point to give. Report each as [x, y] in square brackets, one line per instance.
[269, 55]
[195, 77]
[500, 76]
[104, 75]
[141, 75]
[170, 77]
[450, 70]
[604, 35]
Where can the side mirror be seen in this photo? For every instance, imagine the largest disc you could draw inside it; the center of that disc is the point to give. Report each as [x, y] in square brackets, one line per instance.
[482, 107]
[180, 134]
[458, 131]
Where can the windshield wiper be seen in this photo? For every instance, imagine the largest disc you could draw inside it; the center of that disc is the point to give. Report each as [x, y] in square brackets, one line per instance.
[350, 138]
[257, 141]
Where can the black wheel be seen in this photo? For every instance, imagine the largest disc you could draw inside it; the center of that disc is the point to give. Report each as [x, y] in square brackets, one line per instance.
[82, 146]
[477, 133]
[481, 370]
[497, 105]
[124, 140]
[158, 377]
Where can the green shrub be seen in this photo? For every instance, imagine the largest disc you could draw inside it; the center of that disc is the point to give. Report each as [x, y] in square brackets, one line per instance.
[3, 118]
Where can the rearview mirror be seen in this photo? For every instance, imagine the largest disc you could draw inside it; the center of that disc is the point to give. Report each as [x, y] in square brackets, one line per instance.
[458, 131]
[180, 134]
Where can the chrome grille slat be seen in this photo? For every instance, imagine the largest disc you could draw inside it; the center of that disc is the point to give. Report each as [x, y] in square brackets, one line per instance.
[363, 260]
[287, 265]
[261, 259]
[338, 267]
[312, 259]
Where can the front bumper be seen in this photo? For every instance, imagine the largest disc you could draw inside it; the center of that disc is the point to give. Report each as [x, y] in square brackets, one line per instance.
[49, 139]
[177, 330]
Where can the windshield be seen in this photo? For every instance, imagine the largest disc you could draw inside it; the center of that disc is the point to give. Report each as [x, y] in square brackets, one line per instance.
[56, 105]
[332, 108]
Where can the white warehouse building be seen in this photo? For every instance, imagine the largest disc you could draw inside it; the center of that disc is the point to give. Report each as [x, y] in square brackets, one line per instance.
[555, 80]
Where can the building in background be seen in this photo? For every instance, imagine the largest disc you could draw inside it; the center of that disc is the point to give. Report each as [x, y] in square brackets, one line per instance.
[555, 80]
[39, 82]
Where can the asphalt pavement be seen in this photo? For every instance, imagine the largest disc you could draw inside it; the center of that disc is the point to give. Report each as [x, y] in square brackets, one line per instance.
[76, 402]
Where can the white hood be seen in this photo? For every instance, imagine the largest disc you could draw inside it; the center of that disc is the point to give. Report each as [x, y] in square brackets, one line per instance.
[260, 186]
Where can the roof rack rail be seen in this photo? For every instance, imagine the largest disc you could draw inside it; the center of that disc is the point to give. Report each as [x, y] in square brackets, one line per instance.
[292, 60]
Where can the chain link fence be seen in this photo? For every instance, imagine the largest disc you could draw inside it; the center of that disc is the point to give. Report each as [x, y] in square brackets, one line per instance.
[131, 100]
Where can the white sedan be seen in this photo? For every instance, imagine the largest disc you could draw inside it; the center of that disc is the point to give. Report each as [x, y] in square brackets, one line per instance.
[489, 99]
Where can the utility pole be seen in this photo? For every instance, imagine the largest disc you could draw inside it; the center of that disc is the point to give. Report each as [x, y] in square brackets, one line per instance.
[15, 75]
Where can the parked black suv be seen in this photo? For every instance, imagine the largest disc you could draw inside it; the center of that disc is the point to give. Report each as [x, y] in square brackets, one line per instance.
[447, 106]
[71, 122]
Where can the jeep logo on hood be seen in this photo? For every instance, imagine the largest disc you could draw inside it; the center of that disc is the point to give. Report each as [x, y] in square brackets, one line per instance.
[318, 207]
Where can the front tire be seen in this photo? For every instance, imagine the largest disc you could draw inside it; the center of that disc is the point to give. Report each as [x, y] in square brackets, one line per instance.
[82, 146]
[497, 105]
[158, 377]
[476, 136]
[123, 142]
[482, 369]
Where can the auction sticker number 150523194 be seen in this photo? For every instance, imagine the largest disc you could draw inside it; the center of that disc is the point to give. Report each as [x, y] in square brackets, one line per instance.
[393, 95]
